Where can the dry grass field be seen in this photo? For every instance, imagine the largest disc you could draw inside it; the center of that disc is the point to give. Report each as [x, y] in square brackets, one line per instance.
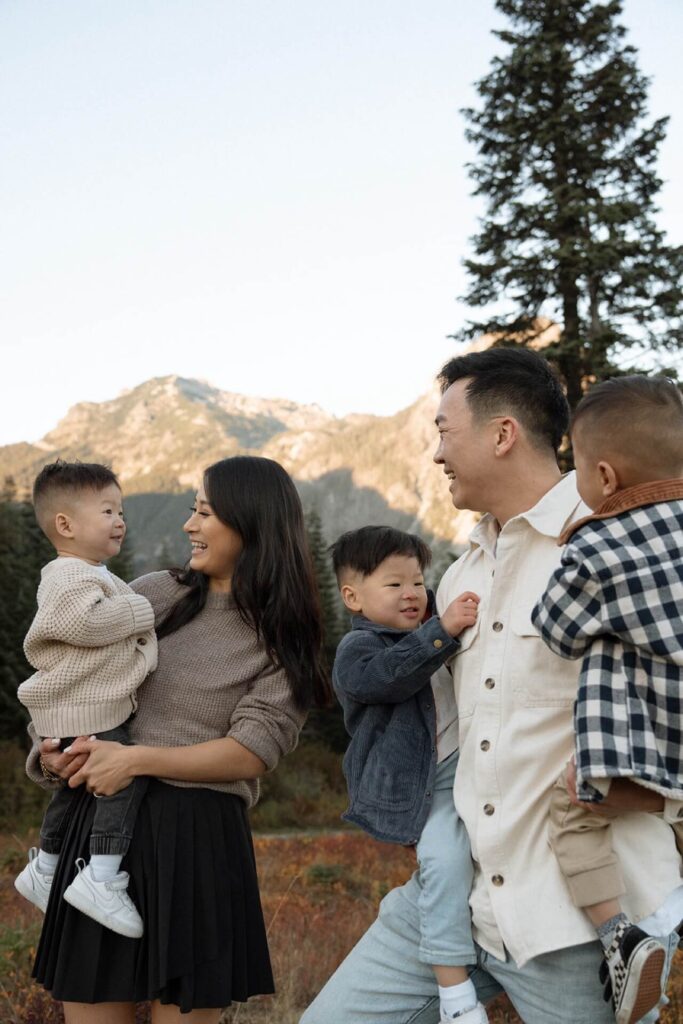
[319, 893]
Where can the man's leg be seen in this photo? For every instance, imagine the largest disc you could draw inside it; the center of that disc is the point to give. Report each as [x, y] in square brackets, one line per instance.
[562, 987]
[382, 980]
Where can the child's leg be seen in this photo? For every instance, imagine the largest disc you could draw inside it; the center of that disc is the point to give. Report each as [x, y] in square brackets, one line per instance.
[634, 961]
[582, 843]
[114, 819]
[445, 871]
[100, 887]
[35, 881]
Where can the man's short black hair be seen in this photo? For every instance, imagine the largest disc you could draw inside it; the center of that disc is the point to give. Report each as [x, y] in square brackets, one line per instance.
[513, 381]
[67, 479]
[637, 417]
[364, 550]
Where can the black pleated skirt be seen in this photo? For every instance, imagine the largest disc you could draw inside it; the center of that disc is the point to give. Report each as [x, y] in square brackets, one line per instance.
[193, 879]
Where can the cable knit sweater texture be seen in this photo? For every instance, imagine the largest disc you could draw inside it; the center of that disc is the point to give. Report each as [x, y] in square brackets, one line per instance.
[92, 642]
[214, 679]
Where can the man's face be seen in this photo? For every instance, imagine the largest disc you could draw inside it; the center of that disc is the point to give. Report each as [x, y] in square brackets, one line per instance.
[465, 450]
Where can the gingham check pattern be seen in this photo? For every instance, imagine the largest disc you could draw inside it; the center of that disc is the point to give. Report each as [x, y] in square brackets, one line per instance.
[617, 601]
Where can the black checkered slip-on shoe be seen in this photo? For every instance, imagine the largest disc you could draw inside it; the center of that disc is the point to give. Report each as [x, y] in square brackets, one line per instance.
[632, 973]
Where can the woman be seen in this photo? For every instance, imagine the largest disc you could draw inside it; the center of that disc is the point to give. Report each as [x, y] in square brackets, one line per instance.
[239, 663]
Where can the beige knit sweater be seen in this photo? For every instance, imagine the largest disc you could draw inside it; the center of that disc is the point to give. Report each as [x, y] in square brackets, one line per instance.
[92, 642]
[214, 679]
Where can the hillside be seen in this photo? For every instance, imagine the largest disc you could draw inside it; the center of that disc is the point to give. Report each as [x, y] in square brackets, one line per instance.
[159, 435]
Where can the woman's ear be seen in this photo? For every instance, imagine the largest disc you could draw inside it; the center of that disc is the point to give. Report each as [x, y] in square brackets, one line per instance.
[350, 598]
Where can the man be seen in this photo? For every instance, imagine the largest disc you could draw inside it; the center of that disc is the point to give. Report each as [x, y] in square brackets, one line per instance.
[501, 420]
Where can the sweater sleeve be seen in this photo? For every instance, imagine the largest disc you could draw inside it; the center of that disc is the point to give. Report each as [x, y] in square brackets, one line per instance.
[266, 721]
[33, 763]
[569, 615]
[79, 612]
[369, 672]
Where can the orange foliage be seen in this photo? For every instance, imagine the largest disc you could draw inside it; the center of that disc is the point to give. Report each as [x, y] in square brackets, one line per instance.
[319, 893]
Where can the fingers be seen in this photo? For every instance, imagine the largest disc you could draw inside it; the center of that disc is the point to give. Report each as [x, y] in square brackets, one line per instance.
[82, 745]
[469, 597]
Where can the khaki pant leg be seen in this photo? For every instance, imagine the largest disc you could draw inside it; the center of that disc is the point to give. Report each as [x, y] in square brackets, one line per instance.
[582, 843]
[678, 832]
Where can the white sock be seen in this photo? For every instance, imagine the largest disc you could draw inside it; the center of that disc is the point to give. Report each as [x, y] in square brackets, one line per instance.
[457, 998]
[47, 862]
[105, 866]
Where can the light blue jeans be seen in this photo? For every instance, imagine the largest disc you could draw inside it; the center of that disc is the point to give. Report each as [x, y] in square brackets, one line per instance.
[445, 874]
[383, 981]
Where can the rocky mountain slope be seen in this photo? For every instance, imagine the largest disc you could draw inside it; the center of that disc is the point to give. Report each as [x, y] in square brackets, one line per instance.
[159, 435]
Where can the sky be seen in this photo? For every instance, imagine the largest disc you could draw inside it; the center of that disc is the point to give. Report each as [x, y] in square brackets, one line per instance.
[269, 195]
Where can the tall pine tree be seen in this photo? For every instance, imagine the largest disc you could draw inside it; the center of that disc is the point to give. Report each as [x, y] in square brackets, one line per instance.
[567, 169]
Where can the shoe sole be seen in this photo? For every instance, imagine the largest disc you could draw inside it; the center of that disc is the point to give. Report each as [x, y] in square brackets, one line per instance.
[30, 894]
[645, 993]
[106, 920]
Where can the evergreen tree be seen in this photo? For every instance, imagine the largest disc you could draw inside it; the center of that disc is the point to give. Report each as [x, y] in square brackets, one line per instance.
[567, 170]
[326, 726]
[23, 551]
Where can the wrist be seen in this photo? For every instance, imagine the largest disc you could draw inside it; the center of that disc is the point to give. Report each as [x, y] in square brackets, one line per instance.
[137, 758]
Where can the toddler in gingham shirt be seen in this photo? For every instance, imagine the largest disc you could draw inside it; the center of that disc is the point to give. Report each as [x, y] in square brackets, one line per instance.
[617, 602]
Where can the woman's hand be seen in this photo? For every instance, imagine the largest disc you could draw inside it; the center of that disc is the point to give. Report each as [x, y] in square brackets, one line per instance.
[623, 796]
[58, 762]
[107, 768]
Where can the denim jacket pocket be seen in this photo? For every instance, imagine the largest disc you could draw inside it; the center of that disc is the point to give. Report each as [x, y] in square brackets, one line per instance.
[390, 781]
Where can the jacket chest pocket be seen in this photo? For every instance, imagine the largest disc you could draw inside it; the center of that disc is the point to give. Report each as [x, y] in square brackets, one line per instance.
[539, 678]
[465, 667]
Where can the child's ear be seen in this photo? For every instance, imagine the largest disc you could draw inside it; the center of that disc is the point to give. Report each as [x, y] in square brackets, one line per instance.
[63, 525]
[609, 479]
[350, 598]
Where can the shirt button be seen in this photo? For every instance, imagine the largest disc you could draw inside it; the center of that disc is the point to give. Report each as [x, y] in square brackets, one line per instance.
[484, 744]
[141, 641]
[497, 879]
[489, 684]
[489, 809]
[497, 626]
[438, 644]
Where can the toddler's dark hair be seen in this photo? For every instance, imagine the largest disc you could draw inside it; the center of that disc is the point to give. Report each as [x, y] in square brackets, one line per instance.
[62, 478]
[638, 417]
[364, 550]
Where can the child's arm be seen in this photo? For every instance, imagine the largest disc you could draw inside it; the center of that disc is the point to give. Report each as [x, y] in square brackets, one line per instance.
[371, 673]
[78, 612]
[569, 614]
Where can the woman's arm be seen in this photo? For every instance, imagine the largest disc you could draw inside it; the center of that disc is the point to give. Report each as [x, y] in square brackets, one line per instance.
[111, 766]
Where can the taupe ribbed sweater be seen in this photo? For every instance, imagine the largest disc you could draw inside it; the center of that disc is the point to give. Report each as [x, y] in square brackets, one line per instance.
[213, 680]
[92, 642]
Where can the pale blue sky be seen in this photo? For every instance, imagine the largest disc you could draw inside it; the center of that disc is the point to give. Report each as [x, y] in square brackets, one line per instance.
[266, 194]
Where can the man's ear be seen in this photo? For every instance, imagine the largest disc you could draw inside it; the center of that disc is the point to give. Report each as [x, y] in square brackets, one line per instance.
[609, 479]
[63, 525]
[507, 432]
[350, 598]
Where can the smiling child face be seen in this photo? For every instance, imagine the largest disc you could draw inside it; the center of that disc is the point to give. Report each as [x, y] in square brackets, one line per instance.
[393, 595]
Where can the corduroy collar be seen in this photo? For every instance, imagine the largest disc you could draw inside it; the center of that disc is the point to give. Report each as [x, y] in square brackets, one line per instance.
[630, 498]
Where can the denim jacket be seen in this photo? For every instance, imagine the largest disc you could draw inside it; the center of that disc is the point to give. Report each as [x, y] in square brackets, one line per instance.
[382, 679]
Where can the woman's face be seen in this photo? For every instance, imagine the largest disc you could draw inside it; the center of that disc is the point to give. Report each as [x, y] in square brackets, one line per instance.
[215, 546]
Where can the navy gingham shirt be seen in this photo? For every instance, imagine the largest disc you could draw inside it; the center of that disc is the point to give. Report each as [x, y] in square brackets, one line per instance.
[617, 602]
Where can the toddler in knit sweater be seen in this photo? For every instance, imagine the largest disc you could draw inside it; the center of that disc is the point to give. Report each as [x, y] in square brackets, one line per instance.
[92, 643]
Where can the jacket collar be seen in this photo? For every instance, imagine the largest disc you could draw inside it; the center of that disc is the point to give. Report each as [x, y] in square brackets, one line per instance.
[548, 516]
[628, 499]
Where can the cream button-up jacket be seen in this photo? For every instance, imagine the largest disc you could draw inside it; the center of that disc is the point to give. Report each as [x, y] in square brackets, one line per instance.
[515, 701]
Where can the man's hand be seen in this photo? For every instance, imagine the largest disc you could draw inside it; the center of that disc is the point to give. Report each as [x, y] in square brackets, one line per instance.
[623, 796]
[59, 763]
[460, 613]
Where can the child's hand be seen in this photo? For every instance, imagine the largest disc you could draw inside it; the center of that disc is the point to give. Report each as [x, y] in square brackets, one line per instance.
[460, 613]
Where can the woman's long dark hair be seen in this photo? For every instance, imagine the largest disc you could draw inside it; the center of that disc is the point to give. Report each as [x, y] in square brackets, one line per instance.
[273, 581]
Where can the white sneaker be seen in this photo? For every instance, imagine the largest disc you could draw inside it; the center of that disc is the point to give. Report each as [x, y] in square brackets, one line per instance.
[477, 1015]
[106, 902]
[33, 884]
